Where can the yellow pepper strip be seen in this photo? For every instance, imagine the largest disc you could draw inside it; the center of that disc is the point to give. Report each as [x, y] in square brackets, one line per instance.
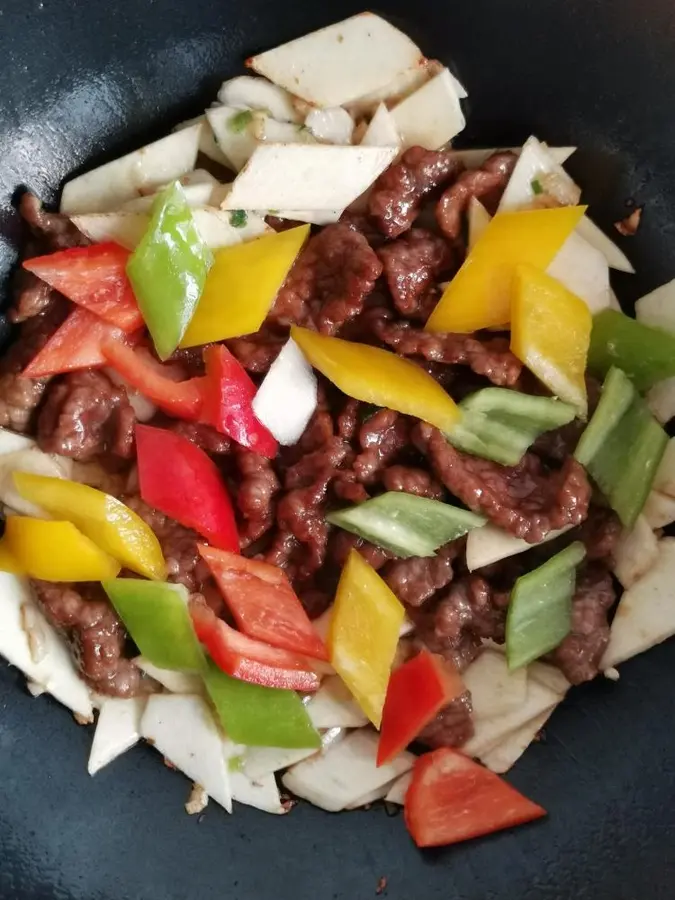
[56, 551]
[8, 562]
[479, 296]
[379, 377]
[363, 634]
[242, 286]
[550, 334]
[106, 521]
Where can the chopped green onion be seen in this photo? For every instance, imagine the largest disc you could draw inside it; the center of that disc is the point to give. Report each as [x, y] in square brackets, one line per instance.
[406, 524]
[238, 218]
[540, 609]
[536, 186]
[240, 121]
[645, 354]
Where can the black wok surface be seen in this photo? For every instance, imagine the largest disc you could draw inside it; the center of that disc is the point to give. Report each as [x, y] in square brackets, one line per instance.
[82, 82]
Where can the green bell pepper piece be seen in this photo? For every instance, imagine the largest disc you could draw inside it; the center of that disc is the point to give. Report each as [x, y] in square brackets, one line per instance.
[157, 618]
[540, 608]
[406, 524]
[259, 716]
[622, 446]
[500, 424]
[645, 354]
[168, 269]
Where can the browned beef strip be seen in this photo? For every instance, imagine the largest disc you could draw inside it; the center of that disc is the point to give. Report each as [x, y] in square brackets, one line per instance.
[382, 437]
[94, 632]
[85, 416]
[55, 229]
[396, 196]
[257, 352]
[342, 543]
[452, 727]
[255, 495]
[485, 356]
[417, 579]
[411, 266]
[348, 420]
[204, 436]
[600, 534]
[525, 500]
[579, 655]
[329, 282]
[412, 480]
[30, 297]
[486, 183]
[301, 513]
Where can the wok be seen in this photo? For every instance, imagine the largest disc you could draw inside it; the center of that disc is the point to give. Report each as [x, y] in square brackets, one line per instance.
[84, 82]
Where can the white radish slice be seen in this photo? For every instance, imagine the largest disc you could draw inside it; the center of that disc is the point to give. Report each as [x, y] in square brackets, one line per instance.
[399, 789]
[293, 176]
[237, 141]
[133, 175]
[344, 773]
[494, 689]
[331, 126]
[183, 730]
[646, 612]
[657, 308]
[340, 63]
[36, 462]
[659, 509]
[261, 793]
[595, 236]
[396, 90]
[333, 704]
[535, 163]
[272, 132]
[489, 544]
[502, 757]
[312, 216]
[261, 761]
[287, 397]
[432, 115]
[474, 159]
[54, 672]
[583, 270]
[382, 131]
[661, 400]
[118, 729]
[196, 195]
[176, 682]
[636, 553]
[207, 140]
[614, 300]
[10, 441]
[371, 797]
[664, 480]
[249, 92]
[478, 220]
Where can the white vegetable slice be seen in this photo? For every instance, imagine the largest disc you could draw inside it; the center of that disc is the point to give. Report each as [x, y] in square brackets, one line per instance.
[615, 257]
[182, 729]
[659, 509]
[382, 131]
[658, 307]
[313, 216]
[287, 397]
[494, 689]
[207, 141]
[196, 195]
[10, 441]
[271, 131]
[237, 144]
[371, 797]
[508, 752]
[479, 219]
[176, 682]
[646, 612]
[636, 552]
[661, 400]
[118, 729]
[137, 173]
[396, 90]
[432, 115]
[293, 176]
[535, 162]
[261, 761]
[583, 270]
[36, 462]
[664, 480]
[261, 793]
[399, 789]
[340, 63]
[614, 301]
[333, 705]
[250, 92]
[344, 773]
[489, 544]
[55, 671]
[332, 126]
[474, 159]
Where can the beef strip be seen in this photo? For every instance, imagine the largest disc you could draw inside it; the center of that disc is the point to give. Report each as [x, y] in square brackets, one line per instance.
[329, 282]
[342, 543]
[525, 499]
[579, 655]
[416, 579]
[257, 352]
[396, 196]
[486, 183]
[85, 416]
[30, 297]
[255, 495]
[97, 637]
[54, 229]
[412, 480]
[411, 266]
[204, 436]
[452, 727]
[600, 534]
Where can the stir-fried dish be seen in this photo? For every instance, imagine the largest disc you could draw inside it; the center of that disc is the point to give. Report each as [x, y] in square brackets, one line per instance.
[322, 439]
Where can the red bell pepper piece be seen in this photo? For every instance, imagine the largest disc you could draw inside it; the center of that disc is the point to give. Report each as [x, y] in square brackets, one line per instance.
[229, 394]
[94, 277]
[451, 798]
[249, 660]
[263, 603]
[178, 478]
[182, 399]
[417, 691]
[76, 344]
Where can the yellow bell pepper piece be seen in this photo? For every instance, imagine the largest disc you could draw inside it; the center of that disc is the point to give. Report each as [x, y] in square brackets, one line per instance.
[56, 551]
[550, 334]
[106, 521]
[363, 634]
[479, 296]
[242, 286]
[8, 562]
[379, 377]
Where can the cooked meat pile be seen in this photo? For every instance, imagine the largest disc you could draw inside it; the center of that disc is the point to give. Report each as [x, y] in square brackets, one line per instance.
[372, 278]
